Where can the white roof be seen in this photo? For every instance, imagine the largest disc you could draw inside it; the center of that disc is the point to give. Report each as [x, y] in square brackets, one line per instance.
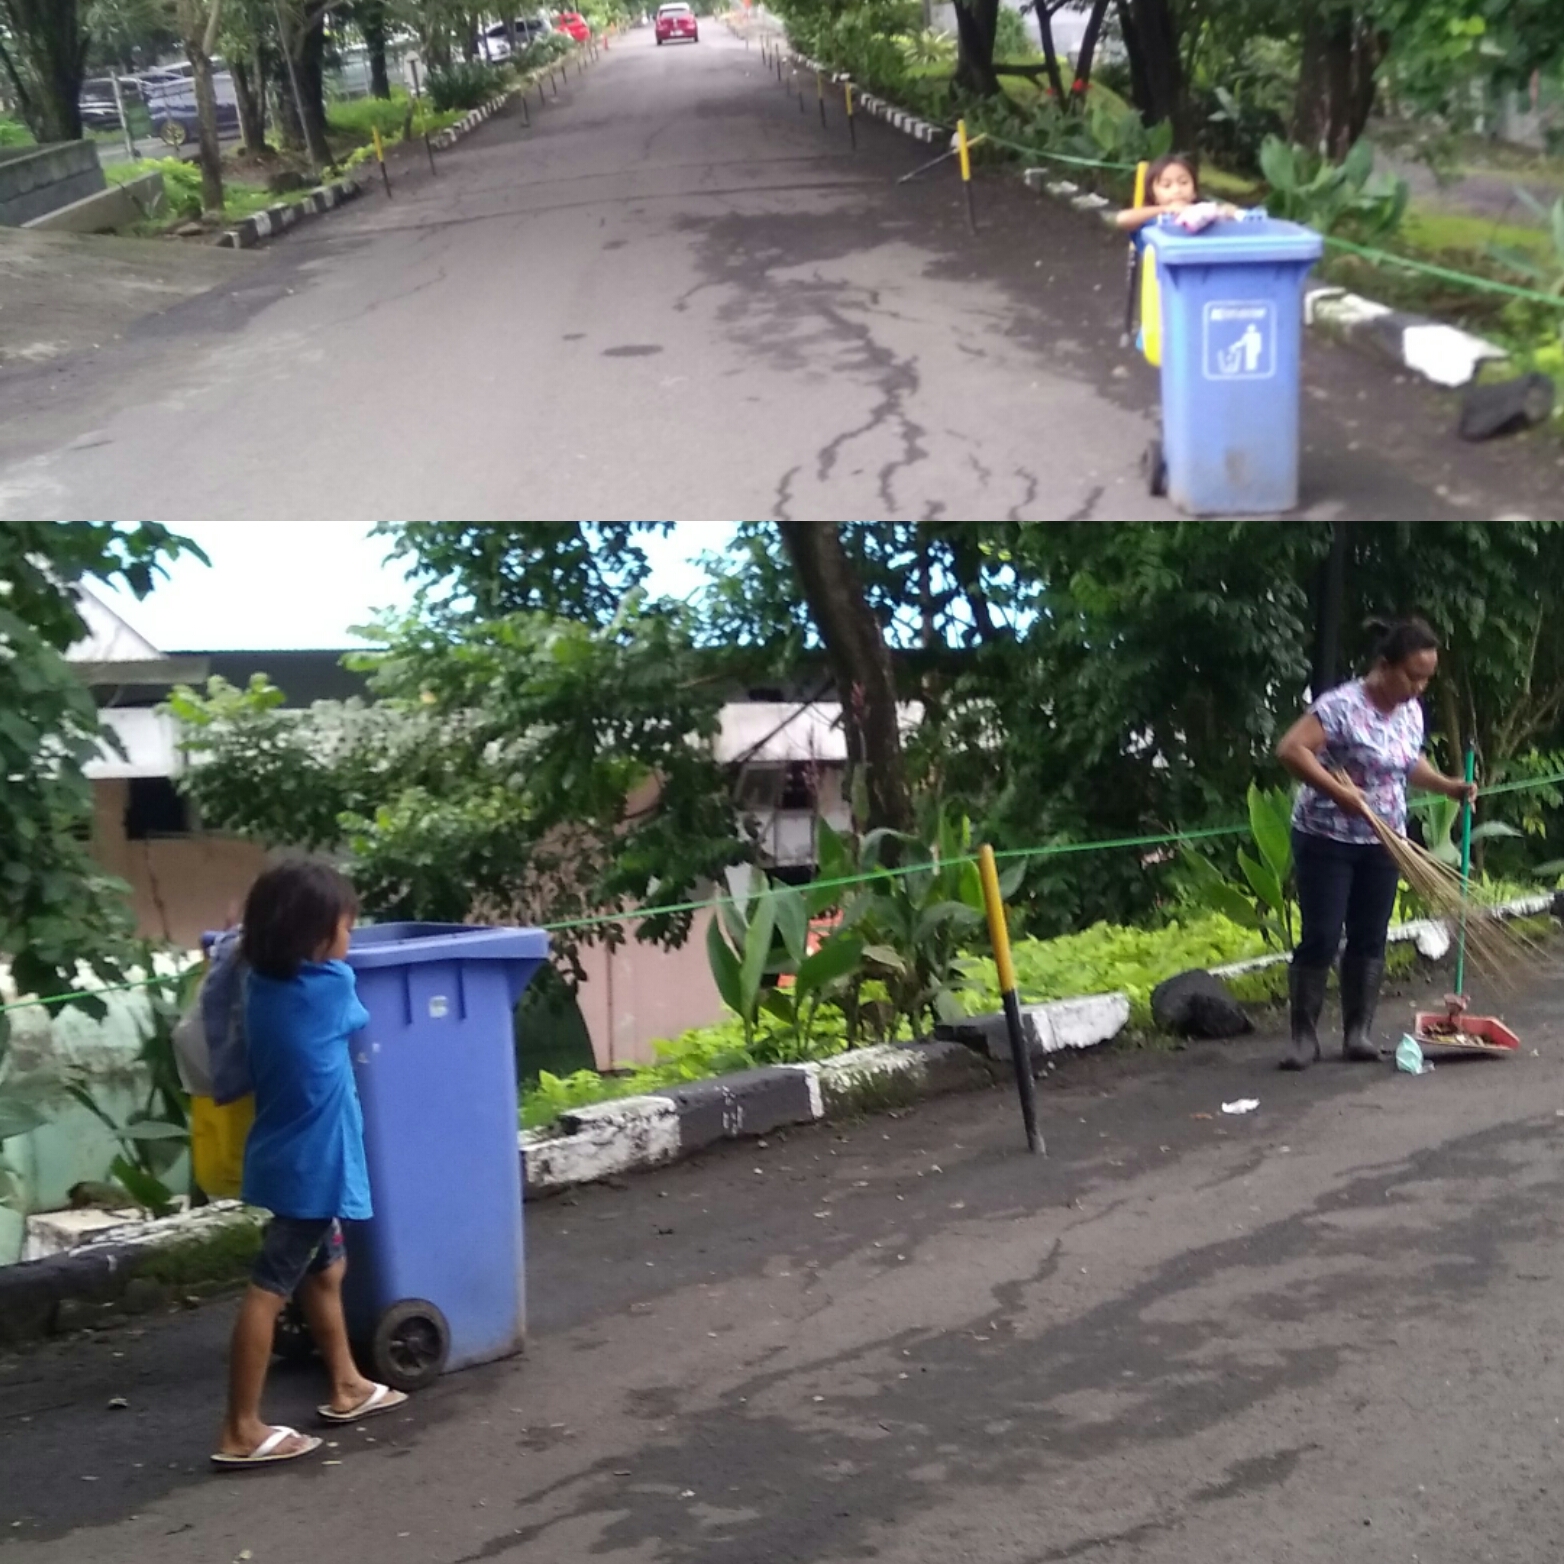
[109, 638]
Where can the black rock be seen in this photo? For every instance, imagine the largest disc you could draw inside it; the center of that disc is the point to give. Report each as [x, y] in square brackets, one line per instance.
[1506, 407]
[1195, 1004]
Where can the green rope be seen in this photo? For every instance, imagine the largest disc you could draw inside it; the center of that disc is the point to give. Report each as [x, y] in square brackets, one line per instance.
[1055, 850]
[1484, 284]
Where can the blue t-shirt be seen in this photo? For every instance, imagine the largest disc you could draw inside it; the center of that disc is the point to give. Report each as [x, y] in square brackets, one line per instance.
[305, 1154]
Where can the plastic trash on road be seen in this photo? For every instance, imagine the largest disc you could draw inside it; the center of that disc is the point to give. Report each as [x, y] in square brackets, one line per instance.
[1409, 1057]
[1243, 1105]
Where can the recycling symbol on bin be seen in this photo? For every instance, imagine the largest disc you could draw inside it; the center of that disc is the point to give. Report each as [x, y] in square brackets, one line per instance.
[1239, 340]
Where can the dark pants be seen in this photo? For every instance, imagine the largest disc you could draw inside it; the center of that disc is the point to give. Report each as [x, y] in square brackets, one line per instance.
[1351, 883]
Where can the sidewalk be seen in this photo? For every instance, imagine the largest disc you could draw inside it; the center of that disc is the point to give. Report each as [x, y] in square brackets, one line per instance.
[1322, 1331]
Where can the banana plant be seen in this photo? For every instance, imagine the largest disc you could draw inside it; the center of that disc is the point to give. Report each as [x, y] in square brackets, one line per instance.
[767, 937]
[1441, 816]
[1264, 899]
[918, 918]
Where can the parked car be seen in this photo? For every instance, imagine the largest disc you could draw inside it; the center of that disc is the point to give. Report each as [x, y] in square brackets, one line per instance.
[677, 20]
[171, 106]
[574, 23]
[496, 39]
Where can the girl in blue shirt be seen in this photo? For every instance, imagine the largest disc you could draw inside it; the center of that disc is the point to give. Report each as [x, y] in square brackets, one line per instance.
[304, 1161]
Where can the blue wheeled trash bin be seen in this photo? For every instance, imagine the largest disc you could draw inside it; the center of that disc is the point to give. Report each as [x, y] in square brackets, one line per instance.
[1231, 303]
[436, 1280]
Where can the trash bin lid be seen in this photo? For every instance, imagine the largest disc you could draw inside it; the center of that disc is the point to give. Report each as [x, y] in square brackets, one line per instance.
[406, 944]
[1231, 242]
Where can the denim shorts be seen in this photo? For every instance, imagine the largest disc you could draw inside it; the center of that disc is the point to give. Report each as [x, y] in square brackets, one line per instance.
[293, 1248]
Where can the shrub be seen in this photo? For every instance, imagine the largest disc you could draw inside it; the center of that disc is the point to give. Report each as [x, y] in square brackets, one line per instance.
[466, 85]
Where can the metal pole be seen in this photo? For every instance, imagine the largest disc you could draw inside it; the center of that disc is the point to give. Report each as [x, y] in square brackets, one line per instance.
[852, 124]
[1020, 1054]
[820, 95]
[124, 118]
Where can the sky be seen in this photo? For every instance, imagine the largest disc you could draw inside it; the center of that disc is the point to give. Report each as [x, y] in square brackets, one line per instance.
[303, 585]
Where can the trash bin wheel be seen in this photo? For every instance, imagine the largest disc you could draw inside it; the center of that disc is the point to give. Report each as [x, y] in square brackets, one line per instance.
[1156, 465]
[291, 1340]
[411, 1343]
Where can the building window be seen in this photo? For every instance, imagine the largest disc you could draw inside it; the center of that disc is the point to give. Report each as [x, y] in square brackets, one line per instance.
[154, 807]
[798, 787]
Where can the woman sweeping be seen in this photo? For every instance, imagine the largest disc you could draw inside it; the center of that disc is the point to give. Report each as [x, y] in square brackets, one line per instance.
[1371, 730]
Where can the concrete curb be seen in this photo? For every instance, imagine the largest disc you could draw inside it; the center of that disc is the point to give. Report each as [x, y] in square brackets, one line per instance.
[898, 119]
[289, 214]
[611, 1138]
[119, 1273]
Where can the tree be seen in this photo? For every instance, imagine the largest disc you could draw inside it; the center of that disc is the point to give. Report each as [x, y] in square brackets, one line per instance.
[57, 909]
[865, 682]
[521, 768]
[43, 51]
[199, 21]
[374, 23]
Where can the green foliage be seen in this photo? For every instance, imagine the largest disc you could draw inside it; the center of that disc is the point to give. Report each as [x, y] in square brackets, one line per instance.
[155, 1137]
[1264, 896]
[13, 133]
[1547, 276]
[466, 84]
[928, 47]
[525, 769]
[1307, 188]
[761, 960]
[1011, 41]
[1109, 959]
[58, 910]
[1442, 816]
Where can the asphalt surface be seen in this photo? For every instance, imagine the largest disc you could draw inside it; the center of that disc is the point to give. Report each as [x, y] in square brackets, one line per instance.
[1327, 1330]
[676, 295]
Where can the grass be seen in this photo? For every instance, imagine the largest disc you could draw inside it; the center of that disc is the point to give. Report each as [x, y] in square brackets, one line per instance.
[354, 121]
[13, 133]
[182, 182]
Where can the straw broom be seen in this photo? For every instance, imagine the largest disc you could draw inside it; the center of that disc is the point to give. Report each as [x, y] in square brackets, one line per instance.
[1499, 950]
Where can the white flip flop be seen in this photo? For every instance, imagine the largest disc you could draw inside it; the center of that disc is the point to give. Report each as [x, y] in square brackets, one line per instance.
[381, 1399]
[266, 1453]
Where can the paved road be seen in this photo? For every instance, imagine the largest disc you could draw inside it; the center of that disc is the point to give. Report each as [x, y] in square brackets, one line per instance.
[675, 295]
[1326, 1332]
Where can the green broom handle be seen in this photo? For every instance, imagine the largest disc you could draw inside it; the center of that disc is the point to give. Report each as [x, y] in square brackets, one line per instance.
[1466, 870]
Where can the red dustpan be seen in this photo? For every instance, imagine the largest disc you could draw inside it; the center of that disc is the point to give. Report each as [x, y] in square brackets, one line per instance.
[1451, 1030]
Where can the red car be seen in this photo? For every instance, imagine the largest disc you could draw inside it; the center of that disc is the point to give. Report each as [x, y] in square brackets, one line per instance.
[574, 23]
[677, 21]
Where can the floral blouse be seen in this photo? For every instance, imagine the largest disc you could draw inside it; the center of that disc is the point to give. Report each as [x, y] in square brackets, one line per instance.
[1376, 751]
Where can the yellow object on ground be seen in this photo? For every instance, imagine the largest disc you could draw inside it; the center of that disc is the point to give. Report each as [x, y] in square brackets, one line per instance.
[217, 1137]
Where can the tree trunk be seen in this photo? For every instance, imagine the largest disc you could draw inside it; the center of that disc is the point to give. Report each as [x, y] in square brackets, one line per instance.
[1340, 55]
[1084, 60]
[250, 95]
[1045, 32]
[372, 23]
[310, 63]
[289, 131]
[43, 52]
[861, 661]
[198, 24]
[1156, 72]
[977, 26]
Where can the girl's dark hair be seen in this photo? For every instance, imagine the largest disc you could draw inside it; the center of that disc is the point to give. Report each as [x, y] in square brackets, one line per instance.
[292, 910]
[1169, 160]
[1395, 640]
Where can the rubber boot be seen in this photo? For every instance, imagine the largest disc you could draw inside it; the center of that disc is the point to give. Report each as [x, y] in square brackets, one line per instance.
[1360, 982]
[1306, 991]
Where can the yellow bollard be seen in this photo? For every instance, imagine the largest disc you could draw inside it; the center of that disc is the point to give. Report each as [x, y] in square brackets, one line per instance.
[380, 156]
[820, 97]
[964, 153]
[999, 935]
[852, 124]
